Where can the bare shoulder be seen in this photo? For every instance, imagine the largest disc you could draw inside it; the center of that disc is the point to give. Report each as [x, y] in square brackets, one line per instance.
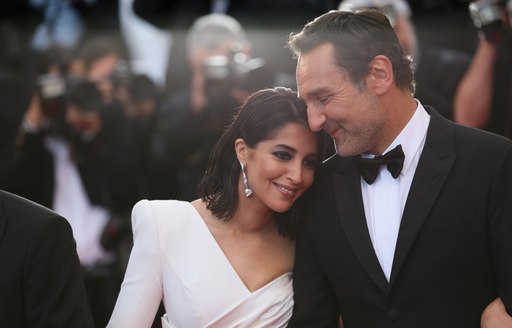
[205, 213]
[199, 205]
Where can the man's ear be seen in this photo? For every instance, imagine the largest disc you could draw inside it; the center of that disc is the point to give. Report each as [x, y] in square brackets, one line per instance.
[380, 76]
[241, 150]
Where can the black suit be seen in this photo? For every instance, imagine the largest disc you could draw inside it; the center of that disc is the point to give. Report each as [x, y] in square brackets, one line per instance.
[454, 250]
[40, 276]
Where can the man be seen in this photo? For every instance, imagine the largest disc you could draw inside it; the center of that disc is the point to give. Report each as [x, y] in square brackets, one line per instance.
[420, 243]
[437, 70]
[40, 277]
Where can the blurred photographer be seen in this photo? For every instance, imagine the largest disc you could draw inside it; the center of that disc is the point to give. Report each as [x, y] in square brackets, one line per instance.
[488, 83]
[223, 74]
[437, 70]
[104, 63]
[71, 157]
[140, 98]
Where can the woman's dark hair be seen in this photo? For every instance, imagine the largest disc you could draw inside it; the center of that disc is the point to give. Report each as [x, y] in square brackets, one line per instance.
[260, 118]
[357, 38]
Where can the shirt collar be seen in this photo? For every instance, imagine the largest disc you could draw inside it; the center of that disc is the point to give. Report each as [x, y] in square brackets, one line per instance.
[412, 136]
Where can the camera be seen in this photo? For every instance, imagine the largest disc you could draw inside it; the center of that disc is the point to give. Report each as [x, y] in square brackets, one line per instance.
[52, 90]
[57, 93]
[85, 107]
[237, 70]
[490, 17]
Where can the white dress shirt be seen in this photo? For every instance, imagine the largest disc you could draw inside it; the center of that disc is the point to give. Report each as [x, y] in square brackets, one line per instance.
[71, 201]
[384, 199]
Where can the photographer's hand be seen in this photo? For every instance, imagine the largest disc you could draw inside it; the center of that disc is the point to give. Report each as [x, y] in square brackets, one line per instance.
[473, 99]
[34, 116]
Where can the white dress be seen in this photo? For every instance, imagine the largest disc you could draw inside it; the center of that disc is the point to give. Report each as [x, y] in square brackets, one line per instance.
[175, 258]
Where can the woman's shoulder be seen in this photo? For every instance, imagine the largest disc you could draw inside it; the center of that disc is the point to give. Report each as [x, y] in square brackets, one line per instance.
[163, 213]
[157, 204]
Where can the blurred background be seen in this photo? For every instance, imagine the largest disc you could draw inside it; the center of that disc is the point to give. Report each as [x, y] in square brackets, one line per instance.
[106, 102]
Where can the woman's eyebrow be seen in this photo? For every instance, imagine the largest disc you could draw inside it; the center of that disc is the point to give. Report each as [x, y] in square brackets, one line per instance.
[290, 148]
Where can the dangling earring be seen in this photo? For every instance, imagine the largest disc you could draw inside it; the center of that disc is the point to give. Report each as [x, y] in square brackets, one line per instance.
[248, 190]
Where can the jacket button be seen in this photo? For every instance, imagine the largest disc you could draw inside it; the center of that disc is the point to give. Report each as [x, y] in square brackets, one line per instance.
[393, 314]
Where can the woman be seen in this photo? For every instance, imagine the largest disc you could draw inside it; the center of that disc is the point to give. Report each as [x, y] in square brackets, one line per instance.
[226, 259]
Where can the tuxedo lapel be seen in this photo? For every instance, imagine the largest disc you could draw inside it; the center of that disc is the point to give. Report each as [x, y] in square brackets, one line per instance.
[349, 203]
[434, 165]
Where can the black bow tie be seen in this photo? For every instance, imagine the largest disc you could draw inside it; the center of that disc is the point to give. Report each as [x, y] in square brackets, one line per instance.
[369, 167]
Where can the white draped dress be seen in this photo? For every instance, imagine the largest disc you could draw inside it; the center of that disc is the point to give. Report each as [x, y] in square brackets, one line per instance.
[175, 258]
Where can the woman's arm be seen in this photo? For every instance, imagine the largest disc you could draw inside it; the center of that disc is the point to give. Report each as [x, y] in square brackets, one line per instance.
[141, 291]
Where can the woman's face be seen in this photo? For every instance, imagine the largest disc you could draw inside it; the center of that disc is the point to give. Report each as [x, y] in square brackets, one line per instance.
[281, 169]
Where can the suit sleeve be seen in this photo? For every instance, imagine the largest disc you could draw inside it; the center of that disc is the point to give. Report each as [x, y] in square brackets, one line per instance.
[54, 289]
[315, 302]
[500, 229]
[141, 291]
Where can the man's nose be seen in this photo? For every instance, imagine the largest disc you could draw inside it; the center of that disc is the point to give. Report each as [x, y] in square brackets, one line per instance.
[316, 119]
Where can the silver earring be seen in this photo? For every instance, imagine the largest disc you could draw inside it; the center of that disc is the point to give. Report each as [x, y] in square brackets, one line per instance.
[248, 190]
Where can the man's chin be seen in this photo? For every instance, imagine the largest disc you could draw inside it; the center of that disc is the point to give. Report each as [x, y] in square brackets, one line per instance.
[344, 151]
[339, 149]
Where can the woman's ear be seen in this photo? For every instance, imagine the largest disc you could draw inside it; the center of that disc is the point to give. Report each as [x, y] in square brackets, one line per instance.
[241, 150]
[380, 76]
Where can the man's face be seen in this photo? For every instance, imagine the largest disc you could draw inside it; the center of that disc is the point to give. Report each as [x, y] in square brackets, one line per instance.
[351, 115]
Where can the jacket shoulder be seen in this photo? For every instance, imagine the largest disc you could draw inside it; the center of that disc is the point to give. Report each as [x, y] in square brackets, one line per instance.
[12, 205]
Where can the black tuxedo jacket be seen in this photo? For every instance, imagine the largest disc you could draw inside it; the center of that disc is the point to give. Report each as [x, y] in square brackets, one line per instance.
[40, 276]
[454, 250]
